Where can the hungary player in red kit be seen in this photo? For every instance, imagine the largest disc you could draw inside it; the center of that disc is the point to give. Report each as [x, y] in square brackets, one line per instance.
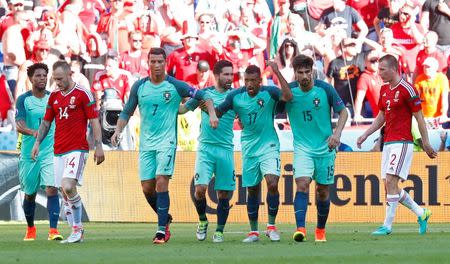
[398, 102]
[71, 106]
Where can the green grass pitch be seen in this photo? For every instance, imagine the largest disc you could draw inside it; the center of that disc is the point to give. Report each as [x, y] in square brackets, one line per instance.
[131, 243]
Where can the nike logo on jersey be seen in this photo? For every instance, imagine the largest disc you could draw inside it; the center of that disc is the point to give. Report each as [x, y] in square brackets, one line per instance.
[31, 109]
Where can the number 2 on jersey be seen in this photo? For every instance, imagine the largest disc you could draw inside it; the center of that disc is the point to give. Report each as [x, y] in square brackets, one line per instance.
[63, 113]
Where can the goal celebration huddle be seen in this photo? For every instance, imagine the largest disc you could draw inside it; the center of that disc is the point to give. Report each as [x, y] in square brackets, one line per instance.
[55, 148]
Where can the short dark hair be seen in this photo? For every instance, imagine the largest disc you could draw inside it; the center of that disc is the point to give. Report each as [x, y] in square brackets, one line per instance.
[390, 60]
[157, 51]
[62, 64]
[220, 65]
[31, 69]
[302, 61]
[251, 69]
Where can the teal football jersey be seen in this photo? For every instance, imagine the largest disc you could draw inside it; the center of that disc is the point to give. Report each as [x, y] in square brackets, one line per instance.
[256, 114]
[158, 108]
[32, 109]
[223, 134]
[310, 116]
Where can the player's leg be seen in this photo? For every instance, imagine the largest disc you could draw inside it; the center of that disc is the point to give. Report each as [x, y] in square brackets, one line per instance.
[73, 176]
[58, 168]
[270, 168]
[251, 178]
[392, 161]
[324, 177]
[165, 160]
[204, 167]
[200, 206]
[223, 210]
[422, 214]
[53, 207]
[253, 194]
[225, 184]
[303, 172]
[29, 182]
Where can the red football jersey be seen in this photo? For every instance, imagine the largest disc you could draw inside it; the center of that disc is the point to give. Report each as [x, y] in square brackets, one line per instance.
[71, 113]
[398, 104]
[121, 85]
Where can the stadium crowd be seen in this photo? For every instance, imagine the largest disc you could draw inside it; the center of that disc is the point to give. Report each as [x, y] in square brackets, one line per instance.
[106, 44]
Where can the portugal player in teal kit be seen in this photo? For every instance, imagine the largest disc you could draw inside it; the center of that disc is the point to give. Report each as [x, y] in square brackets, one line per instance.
[215, 154]
[315, 143]
[255, 105]
[158, 97]
[36, 173]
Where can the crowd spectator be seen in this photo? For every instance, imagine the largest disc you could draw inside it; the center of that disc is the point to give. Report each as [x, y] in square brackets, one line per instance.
[182, 63]
[388, 16]
[436, 17]
[135, 60]
[368, 87]
[430, 50]
[345, 17]
[112, 78]
[433, 90]
[203, 78]
[286, 53]
[345, 70]
[408, 34]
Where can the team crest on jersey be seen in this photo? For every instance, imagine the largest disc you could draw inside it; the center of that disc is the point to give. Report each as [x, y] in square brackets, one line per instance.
[260, 103]
[72, 102]
[316, 103]
[167, 95]
[396, 96]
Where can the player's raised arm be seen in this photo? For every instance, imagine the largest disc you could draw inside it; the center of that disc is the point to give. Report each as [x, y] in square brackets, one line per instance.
[377, 124]
[424, 133]
[286, 93]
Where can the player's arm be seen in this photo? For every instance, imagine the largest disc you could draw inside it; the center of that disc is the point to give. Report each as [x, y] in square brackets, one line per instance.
[127, 112]
[99, 155]
[21, 118]
[190, 105]
[42, 133]
[377, 124]
[286, 93]
[335, 139]
[184, 90]
[227, 104]
[424, 133]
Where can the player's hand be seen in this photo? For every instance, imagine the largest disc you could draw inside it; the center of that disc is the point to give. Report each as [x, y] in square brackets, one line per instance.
[213, 121]
[273, 65]
[116, 138]
[429, 150]
[361, 140]
[443, 136]
[35, 133]
[202, 105]
[35, 151]
[99, 156]
[333, 141]
[443, 7]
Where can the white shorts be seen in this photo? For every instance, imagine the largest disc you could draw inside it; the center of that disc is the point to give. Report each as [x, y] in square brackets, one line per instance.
[396, 160]
[70, 165]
